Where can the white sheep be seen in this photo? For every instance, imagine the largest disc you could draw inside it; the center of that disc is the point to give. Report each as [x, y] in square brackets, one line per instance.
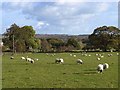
[74, 55]
[70, 54]
[110, 55]
[59, 60]
[11, 57]
[98, 58]
[117, 54]
[105, 66]
[32, 61]
[100, 68]
[101, 56]
[23, 58]
[28, 59]
[89, 55]
[79, 61]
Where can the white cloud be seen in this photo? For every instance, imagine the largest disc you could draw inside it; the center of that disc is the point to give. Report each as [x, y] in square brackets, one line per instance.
[41, 24]
[62, 16]
[102, 7]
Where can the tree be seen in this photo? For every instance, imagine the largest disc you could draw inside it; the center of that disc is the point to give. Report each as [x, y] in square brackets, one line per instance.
[56, 43]
[24, 38]
[73, 42]
[45, 46]
[104, 38]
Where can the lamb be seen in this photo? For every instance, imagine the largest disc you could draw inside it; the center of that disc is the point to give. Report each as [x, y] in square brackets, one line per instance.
[117, 54]
[11, 57]
[105, 66]
[100, 68]
[28, 59]
[23, 58]
[74, 55]
[98, 58]
[32, 61]
[59, 60]
[79, 61]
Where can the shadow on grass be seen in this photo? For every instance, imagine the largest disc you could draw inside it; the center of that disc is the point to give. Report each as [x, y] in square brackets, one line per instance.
[90, 72]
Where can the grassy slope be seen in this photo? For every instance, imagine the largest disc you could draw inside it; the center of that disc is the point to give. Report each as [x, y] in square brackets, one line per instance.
[46, 74]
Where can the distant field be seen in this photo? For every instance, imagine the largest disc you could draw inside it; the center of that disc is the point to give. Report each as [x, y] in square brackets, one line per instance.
[45, 73]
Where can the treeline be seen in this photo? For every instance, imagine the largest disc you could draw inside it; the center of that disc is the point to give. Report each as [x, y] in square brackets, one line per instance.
[22, 39]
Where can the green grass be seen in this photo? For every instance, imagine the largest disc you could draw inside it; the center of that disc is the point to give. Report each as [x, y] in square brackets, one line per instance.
[45, 73]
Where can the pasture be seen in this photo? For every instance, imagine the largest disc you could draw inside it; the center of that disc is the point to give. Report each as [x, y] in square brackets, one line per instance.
[45, 73]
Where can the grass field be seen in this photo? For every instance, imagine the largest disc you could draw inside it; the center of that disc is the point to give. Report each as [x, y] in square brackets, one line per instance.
[45, 73]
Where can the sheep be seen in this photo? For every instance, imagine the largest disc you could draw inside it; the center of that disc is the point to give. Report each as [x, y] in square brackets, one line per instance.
[28, 59]
[74, 55]
[59, 60]
[110, 55]
[98, 58]
[100, 68]
[101, 56]
[32, 61]
[79, 61]
[96, 54]
[23, 58]
[105, 66]
[89, 55]
[117, 54]
[70, 54]
[11, 57]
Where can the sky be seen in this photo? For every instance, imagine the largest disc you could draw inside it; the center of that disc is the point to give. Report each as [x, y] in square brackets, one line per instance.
[59, 17]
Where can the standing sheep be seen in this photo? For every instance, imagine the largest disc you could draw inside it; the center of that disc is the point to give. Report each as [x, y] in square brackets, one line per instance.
[100, 68]
[79, 61]
[23, 58]
[105, 66]
[11, 57]
[32, 61]
[59, 60]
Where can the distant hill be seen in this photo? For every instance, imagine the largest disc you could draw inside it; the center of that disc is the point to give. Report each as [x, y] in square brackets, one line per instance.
[64, 37]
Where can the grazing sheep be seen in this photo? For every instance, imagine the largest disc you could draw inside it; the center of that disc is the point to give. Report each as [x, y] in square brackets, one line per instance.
[89, 55]
[74, 55]
[96, 54]
[98, 58]
[101, 56]
[23, 58]
[59, 60]
[79, 61]
[32, 61]
[100, 68]
[110, 55]
[28, 59]
[117, 54]
[105, 66]
[70, 54]
[11, 57]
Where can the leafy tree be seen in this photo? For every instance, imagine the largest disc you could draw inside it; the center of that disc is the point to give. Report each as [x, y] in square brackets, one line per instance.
[56, 43]
[73, 42]
[24, 38]
[45, 46]
[105, 38]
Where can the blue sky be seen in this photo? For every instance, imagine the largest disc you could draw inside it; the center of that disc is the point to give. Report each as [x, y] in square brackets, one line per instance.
[60, 17]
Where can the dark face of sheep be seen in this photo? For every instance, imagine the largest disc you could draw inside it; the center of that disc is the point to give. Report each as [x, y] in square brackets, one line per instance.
[57, 61]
